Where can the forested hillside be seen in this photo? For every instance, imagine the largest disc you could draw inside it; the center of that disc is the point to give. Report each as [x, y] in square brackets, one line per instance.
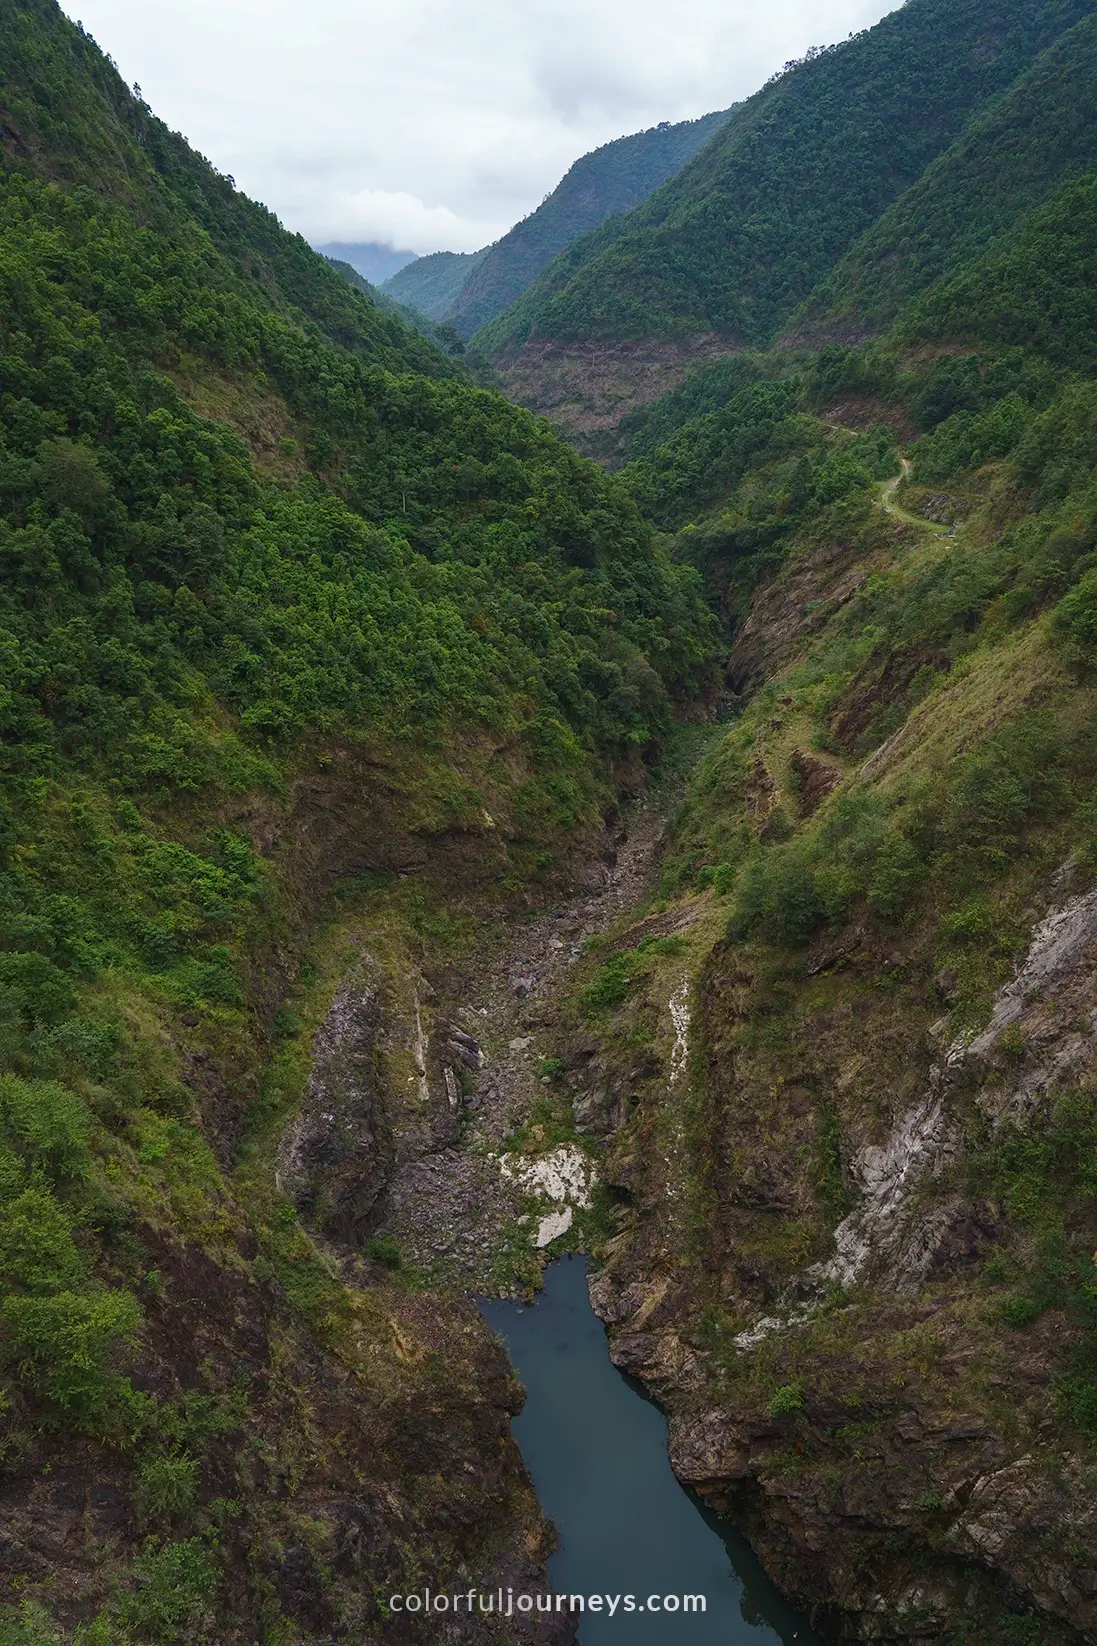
[740, 237]
[609, 180]
[288, 606]
[1042, 131]
[431, 284]
[874, 1162]
[322, 664]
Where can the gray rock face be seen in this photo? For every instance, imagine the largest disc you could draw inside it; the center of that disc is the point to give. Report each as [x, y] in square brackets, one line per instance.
[338, 1155]
[1054, 986]
[888, 1505]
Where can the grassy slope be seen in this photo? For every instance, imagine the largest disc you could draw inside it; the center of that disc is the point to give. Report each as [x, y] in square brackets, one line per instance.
[739, 238]
[285, 599]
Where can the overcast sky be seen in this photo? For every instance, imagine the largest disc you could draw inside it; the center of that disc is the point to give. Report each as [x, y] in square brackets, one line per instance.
[437, 124]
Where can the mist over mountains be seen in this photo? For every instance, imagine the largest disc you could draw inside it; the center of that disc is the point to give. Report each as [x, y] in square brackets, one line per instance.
[374, 262]
[468, 290]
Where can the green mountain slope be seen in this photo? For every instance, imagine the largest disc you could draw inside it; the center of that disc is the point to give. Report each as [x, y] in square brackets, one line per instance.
[740, 237]
[442, 336]
[432, 283]
[1042, 130]
[610, 180]
[1035, 288]
[69, 119]
[871, 1174]
[288, 606]
[879, 1205]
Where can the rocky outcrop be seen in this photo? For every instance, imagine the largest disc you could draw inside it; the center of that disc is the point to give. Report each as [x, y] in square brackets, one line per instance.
[375, 1470]
[338, 1155]
[815, 778]
[895, 1455]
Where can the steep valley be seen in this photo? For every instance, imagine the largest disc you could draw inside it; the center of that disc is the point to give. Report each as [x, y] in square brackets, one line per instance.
[424, 854]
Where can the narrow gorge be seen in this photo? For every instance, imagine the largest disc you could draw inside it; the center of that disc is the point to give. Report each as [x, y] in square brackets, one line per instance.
[439, 870]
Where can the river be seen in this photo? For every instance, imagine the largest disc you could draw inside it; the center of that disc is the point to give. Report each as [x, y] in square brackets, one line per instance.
[596, 1448]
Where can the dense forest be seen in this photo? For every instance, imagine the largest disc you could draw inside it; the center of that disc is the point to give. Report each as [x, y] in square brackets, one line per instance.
[740, 237]
[431, 284]
[468, 291]
[252, 526]
[1041, 131]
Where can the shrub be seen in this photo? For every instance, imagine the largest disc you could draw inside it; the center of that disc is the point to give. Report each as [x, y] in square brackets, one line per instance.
[896, 876]
[611, 985]
[972, 923]
[786, 1400]
[1013, 779]
[174, 1586]
[37, 1252]
[27, 1625]
[47, 1124]
[43, 991]
[167, 1482]
[1076, 622]
[779, 893]
[384, 1250]
[65, 1347]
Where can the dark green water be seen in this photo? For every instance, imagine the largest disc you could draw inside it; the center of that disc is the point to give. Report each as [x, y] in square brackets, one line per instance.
[596, 1449]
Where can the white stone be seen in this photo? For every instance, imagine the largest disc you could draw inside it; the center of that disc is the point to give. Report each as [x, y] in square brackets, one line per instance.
[552, 1226]
[680, 1017]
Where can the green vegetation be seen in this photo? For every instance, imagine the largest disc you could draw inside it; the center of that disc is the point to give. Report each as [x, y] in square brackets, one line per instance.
[1009, 158]
[942, 837]
[1036, 289]
[737, 241]
[604, 183]
[267, 556]
[786, 1401]
[442, 336]
[902, 536]
[1046, 1177]
[620, 971]
[793, 463]
[431, 284]
[290, 603]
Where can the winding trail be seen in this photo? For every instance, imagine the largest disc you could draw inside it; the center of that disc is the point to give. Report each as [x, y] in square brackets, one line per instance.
[888, 492]
[890, 487]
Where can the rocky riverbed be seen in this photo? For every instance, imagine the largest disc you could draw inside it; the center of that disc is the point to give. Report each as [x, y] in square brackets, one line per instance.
[463, 1208]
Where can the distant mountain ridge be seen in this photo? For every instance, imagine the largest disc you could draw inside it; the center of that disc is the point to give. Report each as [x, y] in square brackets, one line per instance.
[740, 237]
[374, 260]
[470, 290]
[432, 283]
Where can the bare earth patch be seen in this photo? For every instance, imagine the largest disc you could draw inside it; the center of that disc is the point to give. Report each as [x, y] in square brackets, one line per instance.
[585, 389]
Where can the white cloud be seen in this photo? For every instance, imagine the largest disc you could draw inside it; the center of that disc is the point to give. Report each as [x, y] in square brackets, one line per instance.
[438, 123]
